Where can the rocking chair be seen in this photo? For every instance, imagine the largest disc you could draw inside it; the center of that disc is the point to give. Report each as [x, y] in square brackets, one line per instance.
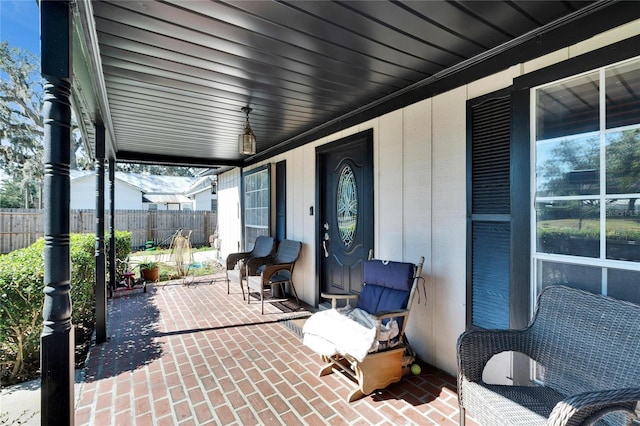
[236, 262]
[366, 343]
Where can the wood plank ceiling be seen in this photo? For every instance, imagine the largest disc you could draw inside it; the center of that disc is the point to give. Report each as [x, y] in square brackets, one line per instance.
[177, 73]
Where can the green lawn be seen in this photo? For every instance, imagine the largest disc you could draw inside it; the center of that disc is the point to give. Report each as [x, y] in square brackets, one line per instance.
[615, 226]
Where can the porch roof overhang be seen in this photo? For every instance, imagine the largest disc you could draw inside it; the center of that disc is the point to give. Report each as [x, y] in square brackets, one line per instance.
[168, 79]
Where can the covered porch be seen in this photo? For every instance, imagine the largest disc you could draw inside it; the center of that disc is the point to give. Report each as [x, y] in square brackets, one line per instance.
[166, 83]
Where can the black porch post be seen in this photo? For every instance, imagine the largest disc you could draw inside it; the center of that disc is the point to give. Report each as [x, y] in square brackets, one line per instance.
[112, 224]
[100, 288]
[57, 339]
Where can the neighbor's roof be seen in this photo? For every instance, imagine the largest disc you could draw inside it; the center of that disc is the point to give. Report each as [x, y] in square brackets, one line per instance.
[166, 198]
[201, 184]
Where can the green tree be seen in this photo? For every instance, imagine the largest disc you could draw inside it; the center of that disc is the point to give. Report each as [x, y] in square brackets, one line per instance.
[21, 126]
[571, 168]
[22, 132]
[12, 195]
[154, 169]
[561, 172]
[623, 165]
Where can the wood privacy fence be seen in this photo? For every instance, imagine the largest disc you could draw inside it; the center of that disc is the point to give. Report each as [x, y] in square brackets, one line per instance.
[21, 227]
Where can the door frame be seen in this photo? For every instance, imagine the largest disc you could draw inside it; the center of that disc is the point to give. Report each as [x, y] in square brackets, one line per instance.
[342, 143]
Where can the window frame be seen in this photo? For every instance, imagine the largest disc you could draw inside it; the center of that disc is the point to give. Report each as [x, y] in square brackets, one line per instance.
[601, 196]
[248, 245]
[523, 293]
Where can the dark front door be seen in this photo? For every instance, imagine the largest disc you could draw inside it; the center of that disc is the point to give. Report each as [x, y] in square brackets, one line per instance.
[345, 210]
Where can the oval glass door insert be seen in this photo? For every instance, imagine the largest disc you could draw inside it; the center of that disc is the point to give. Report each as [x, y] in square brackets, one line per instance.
[347, 205]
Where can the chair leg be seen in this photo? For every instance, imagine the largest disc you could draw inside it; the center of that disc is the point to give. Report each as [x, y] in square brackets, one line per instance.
[282, 290]
[295, 293]
[242, 288]
[462, 416]
[262, 299]
[355, 395]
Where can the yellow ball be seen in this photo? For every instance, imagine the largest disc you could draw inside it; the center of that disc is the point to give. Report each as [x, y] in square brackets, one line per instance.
[415, 369]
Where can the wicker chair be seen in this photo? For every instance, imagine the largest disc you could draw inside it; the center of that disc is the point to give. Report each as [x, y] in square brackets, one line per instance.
[274, 270]
[237, 272]
[589, 348]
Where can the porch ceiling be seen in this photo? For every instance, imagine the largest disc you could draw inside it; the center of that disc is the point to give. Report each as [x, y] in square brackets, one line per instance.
[170, 77]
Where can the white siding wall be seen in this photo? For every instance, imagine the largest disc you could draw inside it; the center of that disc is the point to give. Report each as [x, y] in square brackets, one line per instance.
[229, 229]
[202, 200]
[83, 195]
[448, 225]
[419, 205]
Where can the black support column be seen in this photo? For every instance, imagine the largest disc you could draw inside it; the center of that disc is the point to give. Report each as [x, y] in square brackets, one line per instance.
[112, 224]
[57, 339]
[101, 262]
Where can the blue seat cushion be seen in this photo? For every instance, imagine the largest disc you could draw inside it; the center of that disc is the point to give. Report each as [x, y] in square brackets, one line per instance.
[281, 276]
[392, 299]
[375, 298]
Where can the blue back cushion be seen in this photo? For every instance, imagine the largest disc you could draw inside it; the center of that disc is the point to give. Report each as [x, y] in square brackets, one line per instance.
[392, 299]
[387, 286]
[397, 275]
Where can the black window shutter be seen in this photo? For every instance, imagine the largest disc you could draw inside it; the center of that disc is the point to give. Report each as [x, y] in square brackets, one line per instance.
[489, 211]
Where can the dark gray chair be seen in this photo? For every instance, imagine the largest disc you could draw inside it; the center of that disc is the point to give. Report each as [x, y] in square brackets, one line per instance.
[274, 270]
[236, 262]
[589, 348]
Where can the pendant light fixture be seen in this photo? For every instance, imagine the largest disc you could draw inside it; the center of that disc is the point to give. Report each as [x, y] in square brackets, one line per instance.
[247, 140]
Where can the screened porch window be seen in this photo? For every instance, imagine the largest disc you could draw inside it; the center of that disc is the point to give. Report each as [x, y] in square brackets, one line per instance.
[256, 205]
[586, 148]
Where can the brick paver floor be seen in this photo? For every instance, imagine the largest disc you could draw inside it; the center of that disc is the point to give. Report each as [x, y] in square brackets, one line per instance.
[194, 355]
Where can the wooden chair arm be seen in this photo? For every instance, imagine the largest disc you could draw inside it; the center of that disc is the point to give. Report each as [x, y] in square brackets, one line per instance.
[382, 315]
[335, 296]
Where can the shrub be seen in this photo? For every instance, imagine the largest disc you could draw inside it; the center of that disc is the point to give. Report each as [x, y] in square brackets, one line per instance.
[123, 244]
[83, 281]
[21, 300]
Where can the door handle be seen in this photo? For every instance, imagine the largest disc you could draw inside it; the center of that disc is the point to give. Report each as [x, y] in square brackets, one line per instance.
[325, 239]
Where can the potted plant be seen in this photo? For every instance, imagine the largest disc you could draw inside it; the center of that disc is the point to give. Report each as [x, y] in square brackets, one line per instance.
[150, 270]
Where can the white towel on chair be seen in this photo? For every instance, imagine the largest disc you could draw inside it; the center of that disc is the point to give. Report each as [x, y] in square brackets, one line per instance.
[344, 331]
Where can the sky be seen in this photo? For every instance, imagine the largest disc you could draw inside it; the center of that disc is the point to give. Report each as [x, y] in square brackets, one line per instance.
[20, 24]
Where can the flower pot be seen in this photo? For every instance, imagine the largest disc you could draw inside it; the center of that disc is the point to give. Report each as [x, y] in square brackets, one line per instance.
[151, 274]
